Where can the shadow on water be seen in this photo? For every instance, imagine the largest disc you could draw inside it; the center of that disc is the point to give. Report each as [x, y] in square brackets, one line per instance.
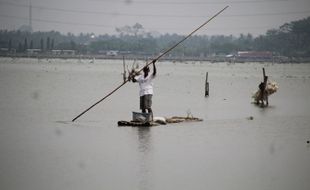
[79, 124]
[144, 148]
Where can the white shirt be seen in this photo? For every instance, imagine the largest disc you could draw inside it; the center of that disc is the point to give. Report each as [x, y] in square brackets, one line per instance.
[146, 84]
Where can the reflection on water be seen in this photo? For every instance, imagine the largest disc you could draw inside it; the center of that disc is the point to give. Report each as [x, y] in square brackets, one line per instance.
[144, 148]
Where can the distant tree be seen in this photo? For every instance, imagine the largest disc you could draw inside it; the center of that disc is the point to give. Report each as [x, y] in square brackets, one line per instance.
[82, 49]
[20, 47]
[10, 45]
[31, 44]
[135, 30]
[25, 45]
[52, 44]
[72, 45]
[291, 39]
[48, 43]
[42, 44]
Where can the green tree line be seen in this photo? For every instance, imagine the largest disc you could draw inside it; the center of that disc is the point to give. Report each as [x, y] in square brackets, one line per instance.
[291, 40]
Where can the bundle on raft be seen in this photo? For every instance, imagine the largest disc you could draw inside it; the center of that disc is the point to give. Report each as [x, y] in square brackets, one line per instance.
[271, 88]
[158, 121]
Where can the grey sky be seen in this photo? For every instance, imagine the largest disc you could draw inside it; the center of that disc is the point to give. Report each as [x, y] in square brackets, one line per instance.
[164, 16]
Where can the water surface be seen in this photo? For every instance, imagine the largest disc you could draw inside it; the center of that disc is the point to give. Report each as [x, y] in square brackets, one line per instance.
[40, 148]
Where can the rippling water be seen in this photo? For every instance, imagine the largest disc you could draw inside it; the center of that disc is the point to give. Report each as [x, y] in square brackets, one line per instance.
[40, 148]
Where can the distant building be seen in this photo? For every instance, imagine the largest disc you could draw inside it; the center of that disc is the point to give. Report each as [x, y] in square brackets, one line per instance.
[33, 51]
[4, 50]
[7, 51]
[56, 52]
[62, 52]
[112, 53]
[255, 56]
[68, 52]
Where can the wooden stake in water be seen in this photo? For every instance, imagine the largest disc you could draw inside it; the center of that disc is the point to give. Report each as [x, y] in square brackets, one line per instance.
[150, 62]
[206, 86]
[264, 91]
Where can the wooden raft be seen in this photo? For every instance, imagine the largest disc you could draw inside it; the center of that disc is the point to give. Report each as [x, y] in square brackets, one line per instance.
[174, 119]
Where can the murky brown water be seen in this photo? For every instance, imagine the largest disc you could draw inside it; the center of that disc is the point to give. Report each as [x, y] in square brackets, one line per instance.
[40, 148]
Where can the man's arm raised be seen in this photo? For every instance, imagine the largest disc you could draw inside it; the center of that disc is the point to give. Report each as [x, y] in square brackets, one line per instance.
[154, 67]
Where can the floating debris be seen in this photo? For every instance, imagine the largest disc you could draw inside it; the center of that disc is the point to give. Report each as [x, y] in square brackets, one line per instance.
[178, 119]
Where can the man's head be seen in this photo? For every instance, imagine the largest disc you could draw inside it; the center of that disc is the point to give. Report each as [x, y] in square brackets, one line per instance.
[146, 69]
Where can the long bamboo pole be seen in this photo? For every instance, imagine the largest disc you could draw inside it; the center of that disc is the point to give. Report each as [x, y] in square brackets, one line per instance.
[158, 57]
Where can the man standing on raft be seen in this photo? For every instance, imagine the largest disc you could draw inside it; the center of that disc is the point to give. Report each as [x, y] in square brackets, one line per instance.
[145, 81]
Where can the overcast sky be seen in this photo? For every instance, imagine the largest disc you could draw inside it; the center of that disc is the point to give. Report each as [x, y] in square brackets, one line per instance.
[163, 16]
